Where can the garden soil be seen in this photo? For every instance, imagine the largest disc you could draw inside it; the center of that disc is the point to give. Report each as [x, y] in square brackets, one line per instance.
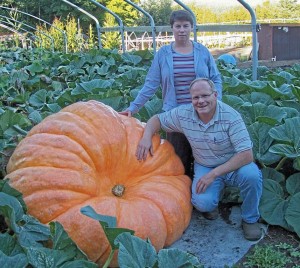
[217, 243]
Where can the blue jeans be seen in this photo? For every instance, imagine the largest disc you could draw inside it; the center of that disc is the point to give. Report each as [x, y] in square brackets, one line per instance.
[248, 179]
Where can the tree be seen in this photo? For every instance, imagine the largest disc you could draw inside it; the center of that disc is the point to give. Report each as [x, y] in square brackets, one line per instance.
[266, 11]
[288, 9]
[159, 10]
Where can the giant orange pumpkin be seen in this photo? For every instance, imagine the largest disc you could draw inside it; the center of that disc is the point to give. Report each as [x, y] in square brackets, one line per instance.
[75, 157]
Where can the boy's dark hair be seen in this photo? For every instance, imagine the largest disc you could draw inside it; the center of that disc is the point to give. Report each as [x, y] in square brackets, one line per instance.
[181, 15]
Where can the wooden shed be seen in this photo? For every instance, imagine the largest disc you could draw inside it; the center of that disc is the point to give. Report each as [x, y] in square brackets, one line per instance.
[279, 42]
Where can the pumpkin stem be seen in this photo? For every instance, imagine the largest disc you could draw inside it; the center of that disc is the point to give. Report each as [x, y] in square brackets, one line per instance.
[118, 190]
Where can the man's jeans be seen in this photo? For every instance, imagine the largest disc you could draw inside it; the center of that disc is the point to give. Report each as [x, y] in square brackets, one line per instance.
[247, 178]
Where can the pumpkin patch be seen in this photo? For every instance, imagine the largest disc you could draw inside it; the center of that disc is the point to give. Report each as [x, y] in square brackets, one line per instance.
[84, 155]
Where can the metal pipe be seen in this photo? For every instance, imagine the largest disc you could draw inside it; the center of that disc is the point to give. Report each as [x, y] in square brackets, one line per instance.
[193, 16]
[51, 39]
[254, 39]
[117, 18]
[92, 17]
[19, 33]
[151, 22]
[27, 14]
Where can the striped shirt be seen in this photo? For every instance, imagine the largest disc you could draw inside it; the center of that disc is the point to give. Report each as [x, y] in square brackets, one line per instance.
[214, 143]
[184, 74]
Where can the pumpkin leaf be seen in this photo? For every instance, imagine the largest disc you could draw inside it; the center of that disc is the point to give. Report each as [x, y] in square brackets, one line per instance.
[293, 184]
[108, 224]
[47, 258]
[134, 252]
[6, 188]
[262, 142]
[10, 201]
[170, 258]
[273, 204]
[32, 232]
[79, 263]
[16, 261]
[62, 241]
[9, 245]
[287, 132]
[272, 174]
[293, 213]
[106, 221]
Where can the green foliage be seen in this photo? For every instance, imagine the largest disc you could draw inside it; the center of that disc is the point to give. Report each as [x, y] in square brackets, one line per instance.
[74, 36]
[267, 257]
[159, 10]
[27, 243]
[110, 40]
[271, 110]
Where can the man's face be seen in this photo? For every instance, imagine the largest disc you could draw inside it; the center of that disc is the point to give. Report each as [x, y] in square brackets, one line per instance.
[182, 30]
[204, 99]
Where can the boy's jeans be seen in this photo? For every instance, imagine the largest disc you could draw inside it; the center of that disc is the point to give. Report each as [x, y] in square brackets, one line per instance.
[248, 179]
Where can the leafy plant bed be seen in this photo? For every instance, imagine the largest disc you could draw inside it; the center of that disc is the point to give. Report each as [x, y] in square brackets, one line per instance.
[278, 247]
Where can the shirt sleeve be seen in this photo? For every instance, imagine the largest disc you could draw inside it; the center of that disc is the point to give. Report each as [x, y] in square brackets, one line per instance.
[239, 135]
[170, 121]
[151, 85]
[215, 76]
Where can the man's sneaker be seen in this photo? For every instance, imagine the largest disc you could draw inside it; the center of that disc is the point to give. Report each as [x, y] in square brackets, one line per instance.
[212, 215]
[252, 231]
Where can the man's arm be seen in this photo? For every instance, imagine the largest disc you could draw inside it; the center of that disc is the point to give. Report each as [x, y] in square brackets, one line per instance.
[145, 145]
[234, 163]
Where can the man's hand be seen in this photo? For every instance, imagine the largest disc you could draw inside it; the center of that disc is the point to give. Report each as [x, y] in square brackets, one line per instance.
[144, 146]
[127, 113]
[204, 182]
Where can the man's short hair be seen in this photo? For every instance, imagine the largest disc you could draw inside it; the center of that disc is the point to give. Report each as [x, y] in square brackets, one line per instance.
[211, 83]
[181, 15]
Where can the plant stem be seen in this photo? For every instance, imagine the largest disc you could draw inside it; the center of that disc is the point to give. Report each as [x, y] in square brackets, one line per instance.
[280, 164]
[111, 254]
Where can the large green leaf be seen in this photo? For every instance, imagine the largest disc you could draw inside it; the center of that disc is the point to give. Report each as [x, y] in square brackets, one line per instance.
[6, 188]
[262, 142]
[171, 258]
[284, 150]
[133, 59]
[8, 119]
[293, 184]
[35, 67]
[233, 101]
[287, 132]
[47, 258]
[135, 252]
[262, 113]
[272, 174]
[108, 223]
[9, 245]
[39, 98]
[62, 241]
[12, 202]
[96, 85]
[32, 232]
[273, 204]
[16, 261]
[293, 213]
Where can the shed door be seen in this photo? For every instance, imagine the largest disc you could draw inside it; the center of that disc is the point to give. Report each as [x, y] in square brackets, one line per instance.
[286, 43]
